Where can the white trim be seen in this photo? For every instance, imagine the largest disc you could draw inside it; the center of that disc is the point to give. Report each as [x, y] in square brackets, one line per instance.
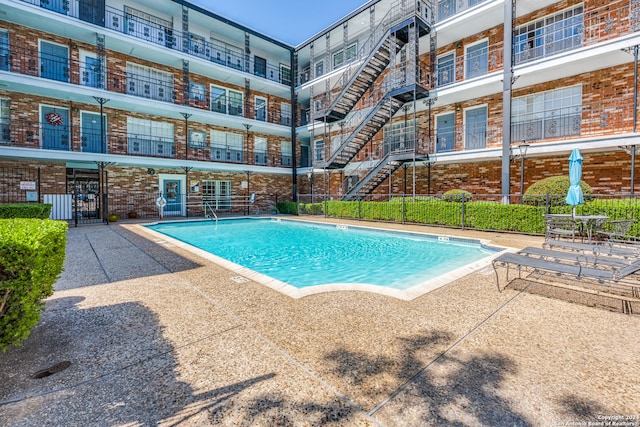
[255, 110]
[451, 52]
[40, 41]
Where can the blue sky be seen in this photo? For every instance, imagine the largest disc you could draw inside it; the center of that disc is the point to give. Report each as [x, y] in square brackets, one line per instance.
[287, 20]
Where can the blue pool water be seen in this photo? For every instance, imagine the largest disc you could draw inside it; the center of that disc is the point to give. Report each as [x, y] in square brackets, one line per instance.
[308, 254]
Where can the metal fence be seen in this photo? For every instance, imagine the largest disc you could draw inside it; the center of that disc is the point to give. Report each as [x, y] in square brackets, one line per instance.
[485, 212]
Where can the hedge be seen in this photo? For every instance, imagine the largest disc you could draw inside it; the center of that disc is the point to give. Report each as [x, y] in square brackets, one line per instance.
[25, 210]
[32, 253]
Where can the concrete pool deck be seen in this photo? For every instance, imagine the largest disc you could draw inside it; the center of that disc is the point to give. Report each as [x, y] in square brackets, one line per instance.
[156, 335]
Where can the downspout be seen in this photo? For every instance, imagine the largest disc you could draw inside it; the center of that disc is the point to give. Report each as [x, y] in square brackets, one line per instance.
[507, 81]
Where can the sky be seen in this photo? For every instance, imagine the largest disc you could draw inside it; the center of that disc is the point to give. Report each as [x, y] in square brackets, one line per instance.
[290, 21]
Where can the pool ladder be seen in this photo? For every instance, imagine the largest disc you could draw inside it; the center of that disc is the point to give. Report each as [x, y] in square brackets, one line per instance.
[209, 208]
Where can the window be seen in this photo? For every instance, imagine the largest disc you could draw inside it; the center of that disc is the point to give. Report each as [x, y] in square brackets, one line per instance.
[550, 35]
[218, 99]
[445, 132]
[399, 136]
[226, 101]
[286, 151]
[285, 113]
[196, 91]
[260, 150]
[261, 109]
[147, 137]
[149, 82]
[475, 128]
[319, 67]
[5, 121]
[227, 146]
[341, 57]
[477, 60]
[235, 103]
[197, 45]
[147, 27]
[545, 115]
[285, 74]
[260, 66]
[446, 69]
[318, 150]
[446, 8]
[4, 50]
[216, 194]
[197, 139]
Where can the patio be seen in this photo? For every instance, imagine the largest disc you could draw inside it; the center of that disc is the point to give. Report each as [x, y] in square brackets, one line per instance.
[158, 336]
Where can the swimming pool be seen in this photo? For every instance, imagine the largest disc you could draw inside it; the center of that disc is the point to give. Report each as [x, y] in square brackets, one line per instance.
[313, 257]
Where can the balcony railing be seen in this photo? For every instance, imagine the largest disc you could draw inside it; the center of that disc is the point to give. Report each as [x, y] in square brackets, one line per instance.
[158, 31]
[448, 8]
[474, 63]
[158, 86]
[65, 137]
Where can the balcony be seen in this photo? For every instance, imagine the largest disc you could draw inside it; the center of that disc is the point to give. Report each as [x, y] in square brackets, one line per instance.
[62, 137]
[159, 31]
[133, 80]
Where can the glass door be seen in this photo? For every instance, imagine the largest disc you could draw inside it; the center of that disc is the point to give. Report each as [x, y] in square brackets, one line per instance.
[173, 193]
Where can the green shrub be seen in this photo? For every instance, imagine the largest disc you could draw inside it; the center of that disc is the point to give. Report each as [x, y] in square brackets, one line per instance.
[287, 208]
[25, 210]
[555, 188]
[456, 196]
[32, 253]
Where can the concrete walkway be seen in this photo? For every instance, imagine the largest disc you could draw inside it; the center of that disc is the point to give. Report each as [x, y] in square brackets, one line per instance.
[154, 335]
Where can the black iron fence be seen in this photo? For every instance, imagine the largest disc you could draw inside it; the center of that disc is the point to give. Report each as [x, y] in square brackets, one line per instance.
[485, 212]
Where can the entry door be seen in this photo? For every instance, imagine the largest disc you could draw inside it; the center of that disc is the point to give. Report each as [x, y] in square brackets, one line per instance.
[445, 133]
[91, 141]
[60, 6]
[92, 11]
[476, 128]
[54, 61]
[55, 128]
[173, 194]
[91, 72]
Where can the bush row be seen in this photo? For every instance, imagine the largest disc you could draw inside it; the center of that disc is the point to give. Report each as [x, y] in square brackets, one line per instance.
[25, 210]
[480, 215]
[32, 253]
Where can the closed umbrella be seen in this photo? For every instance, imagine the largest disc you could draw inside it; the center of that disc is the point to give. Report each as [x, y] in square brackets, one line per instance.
[574, 195]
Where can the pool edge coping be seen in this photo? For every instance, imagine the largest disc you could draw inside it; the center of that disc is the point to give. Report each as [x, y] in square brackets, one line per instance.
[297, 293]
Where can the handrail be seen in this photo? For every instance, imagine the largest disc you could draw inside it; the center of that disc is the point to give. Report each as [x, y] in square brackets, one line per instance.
[209, 208]
[398, 11]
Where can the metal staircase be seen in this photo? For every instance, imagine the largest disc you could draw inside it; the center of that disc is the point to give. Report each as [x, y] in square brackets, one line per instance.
[363, 131]
[376, 53]
[384, 168]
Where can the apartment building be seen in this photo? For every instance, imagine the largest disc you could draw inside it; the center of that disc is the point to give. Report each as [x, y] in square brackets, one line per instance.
[140, 99]
[123, 102]
[565, 78]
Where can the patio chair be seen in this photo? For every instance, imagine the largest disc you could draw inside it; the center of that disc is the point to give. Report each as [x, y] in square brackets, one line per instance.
[616, 230]
[558, 226]
[573, 268]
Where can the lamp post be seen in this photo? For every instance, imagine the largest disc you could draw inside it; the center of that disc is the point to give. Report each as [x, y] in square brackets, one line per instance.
[186, 134]
[523, 153]
[310, 177]
[430, 161]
